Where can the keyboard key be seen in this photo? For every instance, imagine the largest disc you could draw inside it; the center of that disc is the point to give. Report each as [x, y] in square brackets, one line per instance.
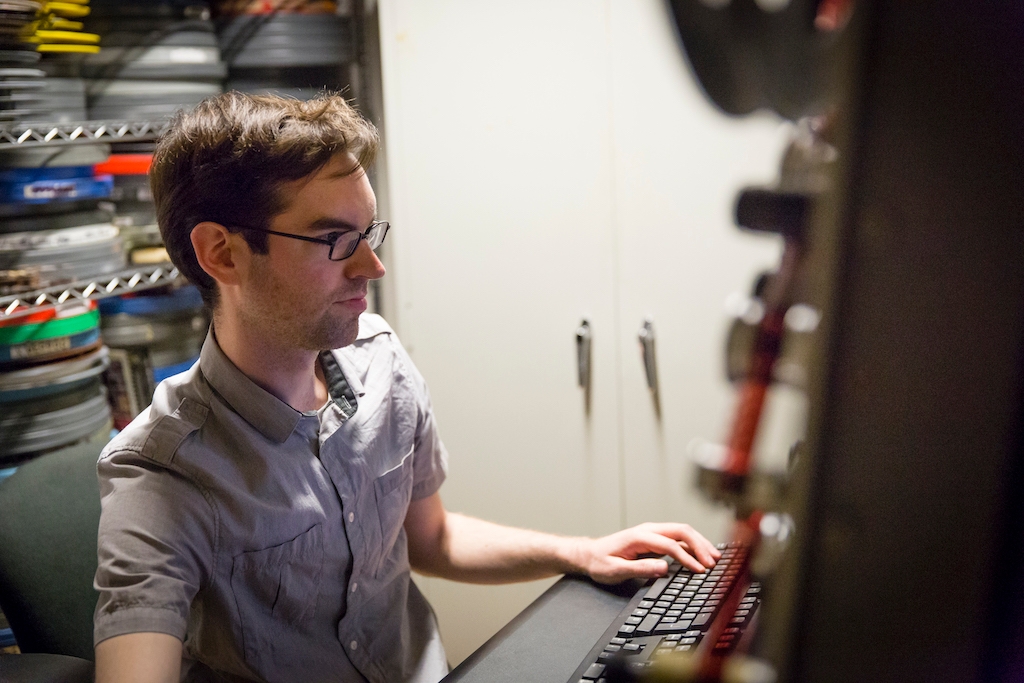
[658, 610]
[631, 647]
[656, 588]
[700, 619]
[672, 637]
[594, 671]
[646, 604]
[617, 641]
[648, 624]
[627, 629]
[678, 627]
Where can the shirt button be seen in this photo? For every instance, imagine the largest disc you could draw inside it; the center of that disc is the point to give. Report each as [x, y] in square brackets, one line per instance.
[354, 645]
[354, 586]
[351, 517]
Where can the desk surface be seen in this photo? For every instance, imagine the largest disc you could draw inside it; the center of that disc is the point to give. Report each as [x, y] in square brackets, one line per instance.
[549, 639]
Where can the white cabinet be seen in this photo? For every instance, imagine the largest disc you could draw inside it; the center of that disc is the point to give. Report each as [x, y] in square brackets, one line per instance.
[548, 162]
[678, 165]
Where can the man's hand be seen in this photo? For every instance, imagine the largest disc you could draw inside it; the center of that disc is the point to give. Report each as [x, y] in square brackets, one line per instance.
[617, 557]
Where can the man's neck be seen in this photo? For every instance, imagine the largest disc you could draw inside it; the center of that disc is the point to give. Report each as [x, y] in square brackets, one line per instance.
[292, 375]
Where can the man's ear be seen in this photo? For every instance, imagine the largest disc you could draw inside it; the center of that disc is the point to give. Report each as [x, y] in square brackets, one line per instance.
[219, 252]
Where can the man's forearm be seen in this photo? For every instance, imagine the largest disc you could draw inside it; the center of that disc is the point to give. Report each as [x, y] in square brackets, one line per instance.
[475, 551]
[462, 548]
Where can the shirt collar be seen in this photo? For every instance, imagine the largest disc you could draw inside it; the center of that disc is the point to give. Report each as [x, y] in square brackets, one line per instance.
[269, 415]
[343, 392]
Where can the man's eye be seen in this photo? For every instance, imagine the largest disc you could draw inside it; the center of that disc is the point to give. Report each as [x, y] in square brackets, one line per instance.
[332, 236]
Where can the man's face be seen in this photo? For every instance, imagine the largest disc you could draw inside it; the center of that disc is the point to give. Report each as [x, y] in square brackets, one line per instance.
[294, 294]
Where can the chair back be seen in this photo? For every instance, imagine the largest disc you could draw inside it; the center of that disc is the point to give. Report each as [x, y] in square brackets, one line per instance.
[49, 517]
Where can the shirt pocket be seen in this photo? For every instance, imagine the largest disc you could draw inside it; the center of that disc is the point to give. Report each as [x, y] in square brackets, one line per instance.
[393, 491]
[276, 591]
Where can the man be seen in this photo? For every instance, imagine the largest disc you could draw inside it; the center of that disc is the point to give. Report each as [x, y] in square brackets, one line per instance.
[260, 519]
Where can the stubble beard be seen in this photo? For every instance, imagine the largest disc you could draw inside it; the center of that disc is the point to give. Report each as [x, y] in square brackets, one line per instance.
[290, 325]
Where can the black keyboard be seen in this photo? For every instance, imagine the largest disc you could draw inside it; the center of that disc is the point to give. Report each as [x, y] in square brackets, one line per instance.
[673, 614]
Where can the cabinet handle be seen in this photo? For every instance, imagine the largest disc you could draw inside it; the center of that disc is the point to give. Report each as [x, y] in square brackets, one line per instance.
[647, 351]
[583, 354]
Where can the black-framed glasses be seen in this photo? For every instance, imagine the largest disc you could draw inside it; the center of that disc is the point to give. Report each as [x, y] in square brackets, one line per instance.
[342, 244]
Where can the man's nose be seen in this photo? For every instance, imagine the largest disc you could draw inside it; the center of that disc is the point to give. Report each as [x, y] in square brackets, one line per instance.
[363, 263]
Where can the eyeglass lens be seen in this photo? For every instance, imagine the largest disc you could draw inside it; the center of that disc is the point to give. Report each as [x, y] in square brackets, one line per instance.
[348, 242]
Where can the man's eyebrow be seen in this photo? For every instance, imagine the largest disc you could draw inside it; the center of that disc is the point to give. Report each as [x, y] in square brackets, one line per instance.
[331, 224]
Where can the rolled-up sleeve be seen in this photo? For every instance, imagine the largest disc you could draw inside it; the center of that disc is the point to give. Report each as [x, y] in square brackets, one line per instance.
[430, 458]
[156, 546]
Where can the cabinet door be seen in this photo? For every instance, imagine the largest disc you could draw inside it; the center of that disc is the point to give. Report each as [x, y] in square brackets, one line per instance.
[498, 136]
[678, 164]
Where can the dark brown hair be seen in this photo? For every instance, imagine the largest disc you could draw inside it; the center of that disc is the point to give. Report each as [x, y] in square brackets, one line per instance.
[225, 162]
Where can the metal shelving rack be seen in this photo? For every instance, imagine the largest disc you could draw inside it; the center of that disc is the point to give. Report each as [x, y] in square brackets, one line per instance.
[21, 135]
[132, 280]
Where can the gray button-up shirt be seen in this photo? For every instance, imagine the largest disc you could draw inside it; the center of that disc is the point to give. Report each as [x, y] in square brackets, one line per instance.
[271, 541]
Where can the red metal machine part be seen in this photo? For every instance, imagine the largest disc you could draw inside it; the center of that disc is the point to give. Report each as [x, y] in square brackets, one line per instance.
[777, 298]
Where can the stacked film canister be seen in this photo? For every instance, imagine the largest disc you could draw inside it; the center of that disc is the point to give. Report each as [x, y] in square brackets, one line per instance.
[135, 214]
[295, 48]
[20, 77]
[53, 232]
[52, 229]
[157, 57]
[152, 336]
[51, 389]
[58, 38]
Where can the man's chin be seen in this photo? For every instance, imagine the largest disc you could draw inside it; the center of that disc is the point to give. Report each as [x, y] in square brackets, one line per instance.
[337, 334]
